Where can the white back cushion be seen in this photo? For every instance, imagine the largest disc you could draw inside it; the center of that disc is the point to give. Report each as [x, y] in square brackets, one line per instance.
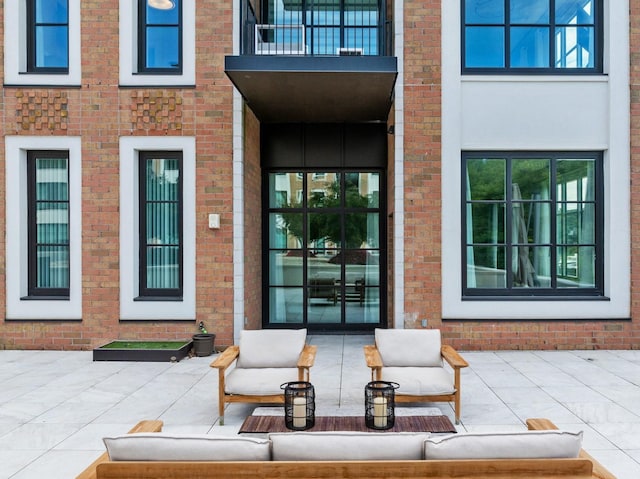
[409, 347]
[347, 446]
[271, 348]
[508, 445]
[182, 447]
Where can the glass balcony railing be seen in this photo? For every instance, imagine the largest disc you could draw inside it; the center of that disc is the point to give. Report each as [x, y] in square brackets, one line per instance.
[316, 27]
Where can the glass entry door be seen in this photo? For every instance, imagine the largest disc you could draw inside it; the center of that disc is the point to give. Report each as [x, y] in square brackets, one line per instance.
[325, 254]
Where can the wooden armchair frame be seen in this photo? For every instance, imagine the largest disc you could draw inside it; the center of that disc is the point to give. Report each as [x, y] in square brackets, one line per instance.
[450, 355]
[230, 355]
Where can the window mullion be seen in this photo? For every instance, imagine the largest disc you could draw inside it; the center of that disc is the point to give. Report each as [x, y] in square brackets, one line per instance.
[507, 34]
[552, 34]
[553, 229]
[509, 224]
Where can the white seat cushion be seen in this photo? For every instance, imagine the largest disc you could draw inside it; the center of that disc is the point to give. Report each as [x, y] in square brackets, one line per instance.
[508, 445]
[420, 381]
[347, 446]
[183, 447]
[271, 348]
[258, 381]
[409, 347]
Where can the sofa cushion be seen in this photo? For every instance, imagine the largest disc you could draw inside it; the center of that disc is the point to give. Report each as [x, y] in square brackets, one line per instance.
[183, 447]
[271, 348]
[343, 446]
[507, 445]
[409, 347]
[258, 381]
[420, 381]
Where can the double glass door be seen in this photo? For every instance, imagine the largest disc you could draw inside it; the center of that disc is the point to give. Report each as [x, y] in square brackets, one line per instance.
[325, 250]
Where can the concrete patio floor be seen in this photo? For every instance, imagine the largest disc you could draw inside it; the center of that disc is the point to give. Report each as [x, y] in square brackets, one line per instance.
[56, 406]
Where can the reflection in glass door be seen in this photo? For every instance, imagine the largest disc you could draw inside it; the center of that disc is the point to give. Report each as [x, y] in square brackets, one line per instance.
[325, 250]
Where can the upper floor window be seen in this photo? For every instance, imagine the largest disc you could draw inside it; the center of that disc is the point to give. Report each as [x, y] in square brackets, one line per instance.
[42, 42]
[532, 224]
[48, 211]
[157, 43]
[160, 36]
[160, 216]
[48, 36]
[532, 36]
[297, 27]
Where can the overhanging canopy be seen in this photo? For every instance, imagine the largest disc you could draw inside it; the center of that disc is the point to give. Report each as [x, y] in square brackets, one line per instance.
[315, 89]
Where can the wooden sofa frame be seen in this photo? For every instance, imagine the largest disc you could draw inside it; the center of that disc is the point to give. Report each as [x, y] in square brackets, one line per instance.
[583, 467]
[227, 358]
[450, 355]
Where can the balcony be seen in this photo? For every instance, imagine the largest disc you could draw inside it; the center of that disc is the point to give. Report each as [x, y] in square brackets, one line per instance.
[315, 61]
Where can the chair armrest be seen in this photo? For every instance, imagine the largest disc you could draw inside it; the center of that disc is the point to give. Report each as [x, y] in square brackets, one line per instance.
[372, 356]
[142, 426]
[540, 424]
[599, 471]
[226, 358]
[451, 356]
[307, 356]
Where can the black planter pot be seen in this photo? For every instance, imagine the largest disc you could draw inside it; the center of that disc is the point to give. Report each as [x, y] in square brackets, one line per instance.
[203, 344]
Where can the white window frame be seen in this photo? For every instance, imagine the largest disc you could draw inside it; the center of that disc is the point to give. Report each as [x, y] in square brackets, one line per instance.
[15, 56]
[17, 244]
[129, 75]
[161, 309]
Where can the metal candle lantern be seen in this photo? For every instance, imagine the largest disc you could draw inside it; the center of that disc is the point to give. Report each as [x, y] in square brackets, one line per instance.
[299, 405]
[379, 403]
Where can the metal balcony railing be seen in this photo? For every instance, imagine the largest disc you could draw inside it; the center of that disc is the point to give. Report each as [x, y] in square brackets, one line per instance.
[317, 27]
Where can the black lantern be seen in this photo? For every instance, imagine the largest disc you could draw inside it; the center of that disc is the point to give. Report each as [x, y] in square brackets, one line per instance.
[299, 405]
[379, 404]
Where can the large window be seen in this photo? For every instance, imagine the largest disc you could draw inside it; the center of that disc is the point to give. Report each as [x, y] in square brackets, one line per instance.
[528, 36]
[157, 43]
[42, 42]
[160, 224]
[48, 36]
[532, 224]
[160, 36]
[48, 191]
[157, 228]
[43, 252]
[324, 250]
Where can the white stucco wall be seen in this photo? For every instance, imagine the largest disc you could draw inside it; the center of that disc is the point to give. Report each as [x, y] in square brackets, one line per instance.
[565, 113]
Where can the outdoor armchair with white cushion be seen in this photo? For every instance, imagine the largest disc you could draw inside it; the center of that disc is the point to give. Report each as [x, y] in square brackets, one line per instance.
[413, 358]
[264, 360]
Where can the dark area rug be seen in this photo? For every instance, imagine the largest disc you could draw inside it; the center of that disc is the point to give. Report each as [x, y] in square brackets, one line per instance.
[266, 424]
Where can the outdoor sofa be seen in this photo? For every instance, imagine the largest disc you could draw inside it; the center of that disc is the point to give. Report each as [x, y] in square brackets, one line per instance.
[541, 452]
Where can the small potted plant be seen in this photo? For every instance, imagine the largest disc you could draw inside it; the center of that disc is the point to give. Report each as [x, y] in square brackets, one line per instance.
[203, 341]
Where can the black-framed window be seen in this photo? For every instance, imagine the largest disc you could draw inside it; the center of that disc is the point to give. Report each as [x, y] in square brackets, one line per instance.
[532, 224]
[161, 228]
[532, 36]
[160, 36]
[48, 223]
[48, 36]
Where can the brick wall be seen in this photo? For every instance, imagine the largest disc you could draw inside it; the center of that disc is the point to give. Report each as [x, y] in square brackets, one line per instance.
[252, 222]
[101, 112]
[422, 154]
[631, 331]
